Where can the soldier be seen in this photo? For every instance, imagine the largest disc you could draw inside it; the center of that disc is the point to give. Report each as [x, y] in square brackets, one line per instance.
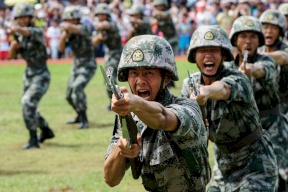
[244, 158]
[78, 36]
[283, 8]
[247, 35]
[108, 33]
[163, 19]
[140, 24]
[274, 29]
[171, 134]
[30, 43]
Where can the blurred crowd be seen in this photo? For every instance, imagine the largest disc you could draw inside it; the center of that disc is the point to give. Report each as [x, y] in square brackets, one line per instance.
[187, 15]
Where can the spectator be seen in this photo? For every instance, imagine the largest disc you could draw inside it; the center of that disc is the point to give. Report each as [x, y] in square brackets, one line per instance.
[53, 34]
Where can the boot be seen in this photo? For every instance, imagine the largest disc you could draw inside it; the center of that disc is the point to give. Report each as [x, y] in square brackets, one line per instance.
[47, 133]
[83, 120]
[33, 141]
[75, 120]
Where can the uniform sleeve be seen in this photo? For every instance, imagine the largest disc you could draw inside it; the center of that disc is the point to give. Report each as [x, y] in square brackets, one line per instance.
[189, 116]
[37, 34]
[85, 31]
[185, 91]
[240, 86]
[270, 69]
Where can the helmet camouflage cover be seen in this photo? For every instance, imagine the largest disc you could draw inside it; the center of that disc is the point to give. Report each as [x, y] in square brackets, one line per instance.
[71, 12]
[102, 8]
[247, 23]
[283, 8]
[274, 17]
[23, 9]
[160, 2]
[147, 51]
[210, 36]
[136, 9]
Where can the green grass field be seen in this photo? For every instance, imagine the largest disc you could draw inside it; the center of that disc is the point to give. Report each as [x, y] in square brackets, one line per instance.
[73, 160]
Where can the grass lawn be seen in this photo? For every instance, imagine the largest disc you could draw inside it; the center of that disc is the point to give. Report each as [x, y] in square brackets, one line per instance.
[73, 160]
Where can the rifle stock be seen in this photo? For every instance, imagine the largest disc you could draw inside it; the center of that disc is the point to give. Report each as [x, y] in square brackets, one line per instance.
[128, 125]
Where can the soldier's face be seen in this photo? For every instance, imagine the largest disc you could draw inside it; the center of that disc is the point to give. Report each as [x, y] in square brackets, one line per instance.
[145, 82]
[23, 21]
[102, 17]
[208, 59]
[247, 41]
[160, 7]
[271, 33]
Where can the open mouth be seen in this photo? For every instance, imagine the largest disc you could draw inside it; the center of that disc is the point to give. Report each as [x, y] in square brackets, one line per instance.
[209, 65]
[143, 93]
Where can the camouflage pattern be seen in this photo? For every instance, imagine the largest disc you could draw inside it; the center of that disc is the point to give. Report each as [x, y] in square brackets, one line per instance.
[274, 17]
[266, 95]
[83, 68]
[36, 79]
[253, 167]
[71, 12]
[210, 36]
[247, 23]
[164, 169]
[160, 2]
[167, 27]
[150, 51]
[283, 8]
[22, 9]
[102, 8]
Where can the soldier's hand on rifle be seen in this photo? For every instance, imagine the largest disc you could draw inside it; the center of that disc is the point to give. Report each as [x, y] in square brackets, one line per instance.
[202, 96]
[248, 70]
[129, 152]
[125, 105]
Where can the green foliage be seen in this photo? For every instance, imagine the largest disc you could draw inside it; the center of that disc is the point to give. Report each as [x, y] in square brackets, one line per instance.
[73, 160]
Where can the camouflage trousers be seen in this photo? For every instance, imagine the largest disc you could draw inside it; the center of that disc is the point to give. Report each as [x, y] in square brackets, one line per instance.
[75, 94]
[277, 127]
[112, 62]
[252, 168]
[33, 90]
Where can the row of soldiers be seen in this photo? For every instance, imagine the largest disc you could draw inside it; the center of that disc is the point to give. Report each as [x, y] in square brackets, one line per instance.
[233, 126]
[29, 41]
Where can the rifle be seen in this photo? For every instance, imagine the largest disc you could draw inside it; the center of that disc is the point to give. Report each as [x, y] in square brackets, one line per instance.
[192, 85]
[245, 57]
[7, 26]
[129, 128]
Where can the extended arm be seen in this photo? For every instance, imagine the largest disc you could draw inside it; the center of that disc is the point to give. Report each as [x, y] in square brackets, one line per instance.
[280, 57]
[153, 114]
[218, 90]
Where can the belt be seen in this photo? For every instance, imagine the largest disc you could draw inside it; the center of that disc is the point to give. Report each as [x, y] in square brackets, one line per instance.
[237, 145]
[274, 111]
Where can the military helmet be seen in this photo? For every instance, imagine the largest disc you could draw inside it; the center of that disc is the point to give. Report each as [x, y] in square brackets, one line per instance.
[283, 8]
[71, 12]
[147, 51]
[247, 23]
[210, 36]
[136, 9]
[23, 9]
[160, 2]
[274, 17]
[102, 8]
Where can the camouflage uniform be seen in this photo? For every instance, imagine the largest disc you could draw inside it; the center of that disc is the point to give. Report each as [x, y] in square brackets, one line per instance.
[84, 65]
[266, 94]
[283, 8]
[172, 161]
[113, 44]
[167, 27]
[36, 79]
[249, 165]
[276, 18]
[145, 28]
